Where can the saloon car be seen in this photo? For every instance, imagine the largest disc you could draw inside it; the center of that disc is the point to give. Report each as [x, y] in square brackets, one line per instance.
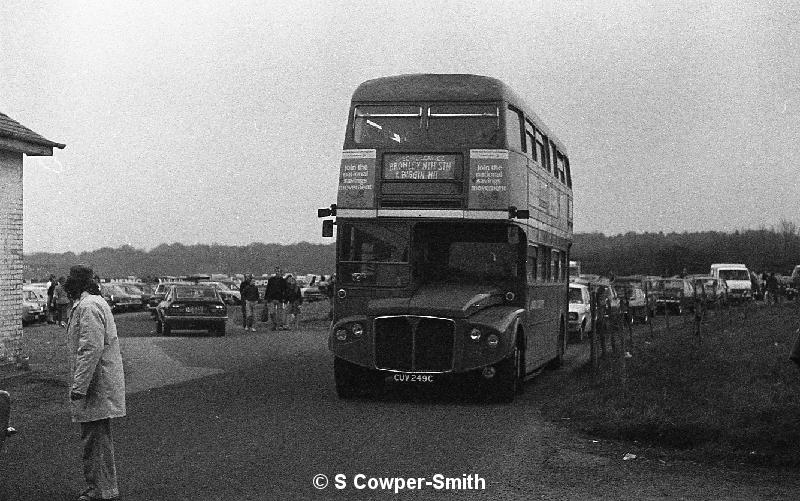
[191, 307]
[228, 291]
[117, 298]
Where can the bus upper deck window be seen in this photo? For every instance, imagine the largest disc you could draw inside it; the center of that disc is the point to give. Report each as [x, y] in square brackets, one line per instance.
[463, 124]
[387, 125]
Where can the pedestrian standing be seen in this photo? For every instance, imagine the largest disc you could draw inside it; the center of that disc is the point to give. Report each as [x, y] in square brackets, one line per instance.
[97, 386]
[249, 294]
[273, 296]
[51, 309]
[61, 300]
[293, 299]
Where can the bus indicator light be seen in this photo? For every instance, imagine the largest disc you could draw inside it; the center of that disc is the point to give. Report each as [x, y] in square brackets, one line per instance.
[475, 334]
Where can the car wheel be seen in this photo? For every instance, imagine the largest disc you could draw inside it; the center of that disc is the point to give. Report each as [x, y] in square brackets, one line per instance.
[562, 348]
[166, 329]
[646, 317]
[582, 332]
[159, 327]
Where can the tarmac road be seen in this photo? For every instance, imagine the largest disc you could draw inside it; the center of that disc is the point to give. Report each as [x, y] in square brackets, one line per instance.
[253, 416]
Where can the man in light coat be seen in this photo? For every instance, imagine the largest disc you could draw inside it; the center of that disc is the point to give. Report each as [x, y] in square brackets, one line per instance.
[97, 388]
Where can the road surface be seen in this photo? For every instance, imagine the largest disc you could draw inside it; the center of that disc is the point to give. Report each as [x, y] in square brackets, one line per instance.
[254, 416]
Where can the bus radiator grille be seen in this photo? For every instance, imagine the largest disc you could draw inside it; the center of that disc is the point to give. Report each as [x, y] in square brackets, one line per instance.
[407, 343]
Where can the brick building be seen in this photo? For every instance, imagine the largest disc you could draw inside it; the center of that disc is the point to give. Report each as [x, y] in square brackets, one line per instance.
[15, 140]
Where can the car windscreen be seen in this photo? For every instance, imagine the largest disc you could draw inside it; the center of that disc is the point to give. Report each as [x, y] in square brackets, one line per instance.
[734, 274]
[196, 293]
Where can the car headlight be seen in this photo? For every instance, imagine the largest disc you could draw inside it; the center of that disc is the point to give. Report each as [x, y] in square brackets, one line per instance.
[341, 334]
[492, 340]
[573, 315]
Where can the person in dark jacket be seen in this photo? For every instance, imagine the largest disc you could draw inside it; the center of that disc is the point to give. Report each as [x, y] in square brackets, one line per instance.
[292, 300]
[249, 293]
[274, 297]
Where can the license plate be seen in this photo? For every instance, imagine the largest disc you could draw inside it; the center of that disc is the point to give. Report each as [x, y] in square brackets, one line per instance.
[196, 310]
[412, 378]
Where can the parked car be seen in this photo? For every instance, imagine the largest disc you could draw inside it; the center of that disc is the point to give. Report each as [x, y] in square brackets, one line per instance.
[191, 307]
[608, 310]
[228, 291]
[159, 292]
[710, 291]
[136, 295]
[580, 311]
[310, 288]
[34, 305]
[673, 294]
[117, 298]
[641, 305]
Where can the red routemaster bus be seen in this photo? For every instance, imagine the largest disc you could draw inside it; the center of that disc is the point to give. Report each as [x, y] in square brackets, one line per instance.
[454, 223]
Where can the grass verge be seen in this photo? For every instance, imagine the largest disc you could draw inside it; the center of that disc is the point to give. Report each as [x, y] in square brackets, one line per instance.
[732, 394]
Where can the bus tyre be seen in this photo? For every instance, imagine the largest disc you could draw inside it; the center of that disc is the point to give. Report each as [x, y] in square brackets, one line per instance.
[352, 379]
[562, 347]
[506, 381]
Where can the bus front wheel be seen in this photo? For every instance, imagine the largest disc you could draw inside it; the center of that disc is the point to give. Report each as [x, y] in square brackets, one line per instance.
[352, 379]
[504, 385]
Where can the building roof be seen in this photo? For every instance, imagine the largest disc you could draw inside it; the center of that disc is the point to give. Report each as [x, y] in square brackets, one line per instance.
[11, 129]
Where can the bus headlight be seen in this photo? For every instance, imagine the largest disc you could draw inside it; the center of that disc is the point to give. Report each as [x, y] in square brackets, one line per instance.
[475, 334]
[341, 334]
[492, 340]
[357, 330]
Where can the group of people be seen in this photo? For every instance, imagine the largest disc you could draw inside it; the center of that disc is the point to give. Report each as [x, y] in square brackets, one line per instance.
[282, 300]
[57, 301]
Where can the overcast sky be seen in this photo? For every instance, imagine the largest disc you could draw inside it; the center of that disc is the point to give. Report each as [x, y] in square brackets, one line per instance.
[223, 121]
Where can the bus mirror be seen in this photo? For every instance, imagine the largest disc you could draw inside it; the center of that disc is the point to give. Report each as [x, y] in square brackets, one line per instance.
[514, 213]
[327, 228]
[327, 212]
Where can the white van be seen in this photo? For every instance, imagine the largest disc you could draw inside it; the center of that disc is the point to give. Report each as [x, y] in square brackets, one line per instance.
[737, 276]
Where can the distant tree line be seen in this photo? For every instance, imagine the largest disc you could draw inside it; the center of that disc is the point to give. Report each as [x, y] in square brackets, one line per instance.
[772, 250]
[178, 259]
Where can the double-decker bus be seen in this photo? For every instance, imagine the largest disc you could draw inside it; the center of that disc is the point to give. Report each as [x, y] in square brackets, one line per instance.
[454, 223]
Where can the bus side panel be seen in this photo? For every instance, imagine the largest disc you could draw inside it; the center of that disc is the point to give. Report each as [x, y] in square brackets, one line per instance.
[543, 313]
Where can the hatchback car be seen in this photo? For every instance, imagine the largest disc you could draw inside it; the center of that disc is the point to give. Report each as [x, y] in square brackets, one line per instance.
[33, 306]
[191, 307]
[673, 294]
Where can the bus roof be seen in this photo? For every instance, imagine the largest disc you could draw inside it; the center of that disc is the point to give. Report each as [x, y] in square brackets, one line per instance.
[445, 87]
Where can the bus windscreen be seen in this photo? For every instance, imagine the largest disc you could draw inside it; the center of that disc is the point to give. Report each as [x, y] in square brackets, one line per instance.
[455, 125]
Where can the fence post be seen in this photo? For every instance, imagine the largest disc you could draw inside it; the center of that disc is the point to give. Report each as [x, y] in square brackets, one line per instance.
[593, 355]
